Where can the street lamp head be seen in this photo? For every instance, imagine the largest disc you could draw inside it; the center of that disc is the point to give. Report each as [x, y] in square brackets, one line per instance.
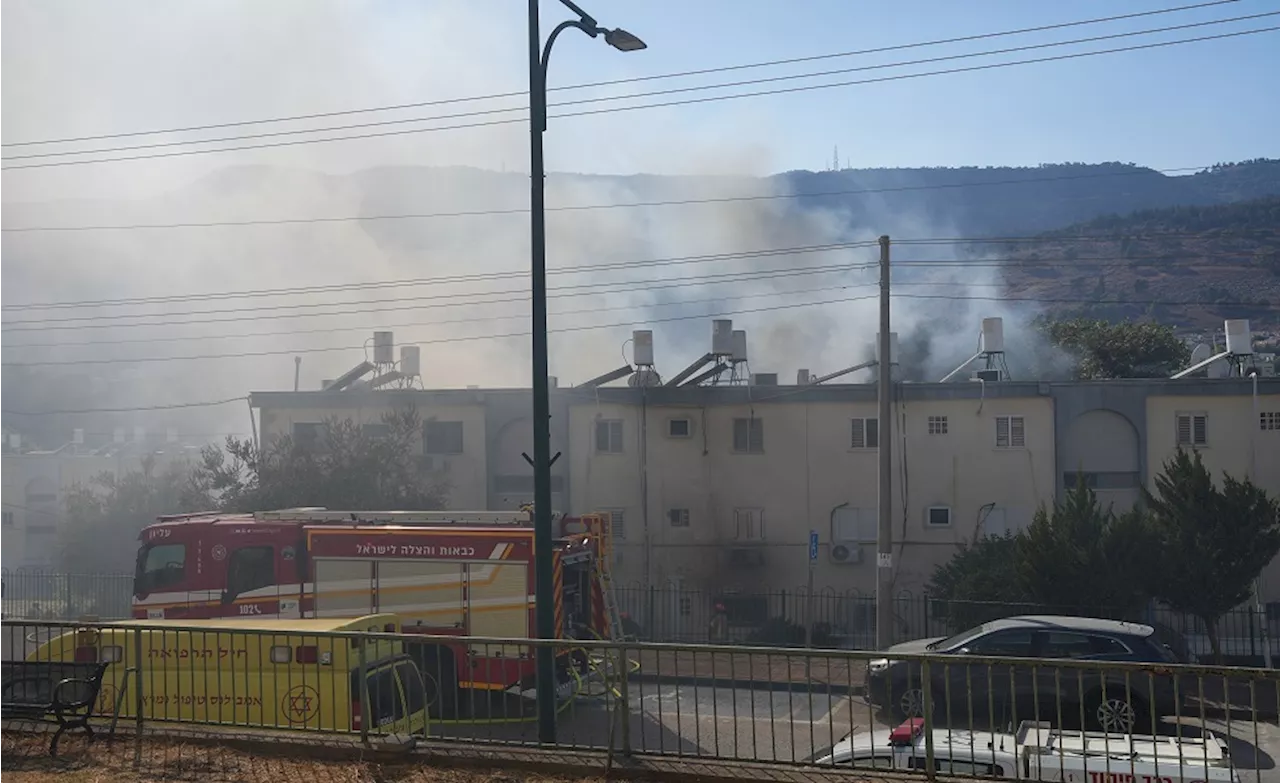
[623, 41]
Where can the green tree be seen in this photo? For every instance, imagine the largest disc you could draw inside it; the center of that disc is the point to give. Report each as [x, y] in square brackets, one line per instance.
[105, 516]
[1212, 542]
[347, 466]
[1127, 349]
[1079, 555]
[979, 583]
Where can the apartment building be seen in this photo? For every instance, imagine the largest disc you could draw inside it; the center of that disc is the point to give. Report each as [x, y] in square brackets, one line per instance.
[36, 483]
[718, 487]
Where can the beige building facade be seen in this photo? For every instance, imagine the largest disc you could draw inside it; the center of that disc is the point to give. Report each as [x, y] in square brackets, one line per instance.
[718, 488]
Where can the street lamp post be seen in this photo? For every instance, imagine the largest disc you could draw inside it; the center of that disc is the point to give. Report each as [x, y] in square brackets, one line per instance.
[544, 586]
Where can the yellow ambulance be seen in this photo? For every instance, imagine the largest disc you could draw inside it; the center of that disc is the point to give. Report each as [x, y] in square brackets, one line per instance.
[257, 673]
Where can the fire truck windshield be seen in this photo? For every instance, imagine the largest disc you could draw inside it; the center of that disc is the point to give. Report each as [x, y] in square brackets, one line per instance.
[159, 566]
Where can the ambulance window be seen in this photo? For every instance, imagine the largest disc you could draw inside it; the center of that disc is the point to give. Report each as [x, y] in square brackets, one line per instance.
[164, 565]
[251, 567]
[384, 697]
[952, 767]
[415, 692]
[877, 762]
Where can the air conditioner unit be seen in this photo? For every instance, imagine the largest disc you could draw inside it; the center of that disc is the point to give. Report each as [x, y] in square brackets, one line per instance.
[746, 558]
[846, 553]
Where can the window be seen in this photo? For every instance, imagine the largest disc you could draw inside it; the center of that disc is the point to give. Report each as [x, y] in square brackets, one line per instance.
[310, 435]
[161, 565]
[937, 425]
[679, 428]
[415, 692]
[384, 697]
[873, 762]
[1013, 643]
[8, 518]
[937, 516]
[1010, 432]
[865, 434]
[608, 436]
[957, 767]
[855, 525]
[679, 517]
[250, 567]
[1269, 421]
[442, 437]
[748, 524]
[1062, 644]
[1193, 429]
[617, 523]
[375, 431]
[748, 435]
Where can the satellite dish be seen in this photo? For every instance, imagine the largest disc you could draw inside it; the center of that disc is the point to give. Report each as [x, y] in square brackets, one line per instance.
[1219, 369]
[644, 377]
[1200, 353]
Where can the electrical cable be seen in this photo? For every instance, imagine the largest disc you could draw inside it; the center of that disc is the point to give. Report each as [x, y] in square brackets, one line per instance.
[174, 406]
[586, 207]
[611, 82]
[660, 104]
[701, 316]
[648, 94]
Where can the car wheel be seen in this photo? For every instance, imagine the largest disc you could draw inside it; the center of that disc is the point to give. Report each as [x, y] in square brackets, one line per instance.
[909, 704]
[1116, 714]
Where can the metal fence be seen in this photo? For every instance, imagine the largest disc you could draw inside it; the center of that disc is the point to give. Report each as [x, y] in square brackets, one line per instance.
[847, 620]
[731, 703]
[44, 595]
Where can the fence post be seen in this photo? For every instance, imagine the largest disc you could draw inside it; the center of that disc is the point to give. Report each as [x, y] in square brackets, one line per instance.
[137, 698]
[366, 712]
[926, 710]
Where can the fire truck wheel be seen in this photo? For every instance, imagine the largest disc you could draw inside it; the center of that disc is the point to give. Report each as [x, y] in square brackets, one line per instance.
[1117, 713]
[440, 676]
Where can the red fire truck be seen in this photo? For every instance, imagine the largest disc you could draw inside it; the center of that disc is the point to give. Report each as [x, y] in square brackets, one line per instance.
[445, 573]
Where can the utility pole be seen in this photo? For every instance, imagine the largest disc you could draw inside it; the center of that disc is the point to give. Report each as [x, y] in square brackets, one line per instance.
[884, 538]
[544, 580]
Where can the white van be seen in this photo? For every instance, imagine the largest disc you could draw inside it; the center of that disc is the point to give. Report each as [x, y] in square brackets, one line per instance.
[1039, 752]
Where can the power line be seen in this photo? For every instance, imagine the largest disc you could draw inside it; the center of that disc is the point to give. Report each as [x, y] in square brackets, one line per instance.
[661, 104]
[175, 406]
[611, 82]
[637, 95]
[617, 286]
[584, 207]
[586, 269]
[650, 321]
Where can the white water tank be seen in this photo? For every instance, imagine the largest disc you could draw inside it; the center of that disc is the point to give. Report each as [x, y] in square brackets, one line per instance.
[410, 360]
[642, 347]
[722, 337]
[553, 382]
[77, 436]
[739, 344]
[802, 378]
[1239, 337]
[993, 335]
[384, 351]
[893, 347]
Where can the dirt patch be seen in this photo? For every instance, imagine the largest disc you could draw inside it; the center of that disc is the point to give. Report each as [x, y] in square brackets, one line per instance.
[26, 760]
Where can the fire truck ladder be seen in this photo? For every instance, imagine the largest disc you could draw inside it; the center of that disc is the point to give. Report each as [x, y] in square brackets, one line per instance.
[613, 617]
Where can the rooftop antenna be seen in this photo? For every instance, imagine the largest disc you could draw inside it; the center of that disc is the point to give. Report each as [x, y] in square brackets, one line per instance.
[990, 349]
[1237, 354]
[835, 158]
[297, 371]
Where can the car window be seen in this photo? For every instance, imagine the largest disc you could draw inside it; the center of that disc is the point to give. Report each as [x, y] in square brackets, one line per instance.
[384, 697]
[1063, 644]
[1014, 643]
[875, 762]
[1109, 647]
[954, 767]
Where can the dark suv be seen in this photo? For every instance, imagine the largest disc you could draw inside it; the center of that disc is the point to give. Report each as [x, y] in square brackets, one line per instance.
[1110, 700]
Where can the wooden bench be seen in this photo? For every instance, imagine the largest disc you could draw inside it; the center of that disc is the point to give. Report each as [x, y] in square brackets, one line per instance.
[54, 692]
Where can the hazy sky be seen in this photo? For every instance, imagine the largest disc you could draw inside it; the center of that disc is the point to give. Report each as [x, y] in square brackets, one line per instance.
[73, 67]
